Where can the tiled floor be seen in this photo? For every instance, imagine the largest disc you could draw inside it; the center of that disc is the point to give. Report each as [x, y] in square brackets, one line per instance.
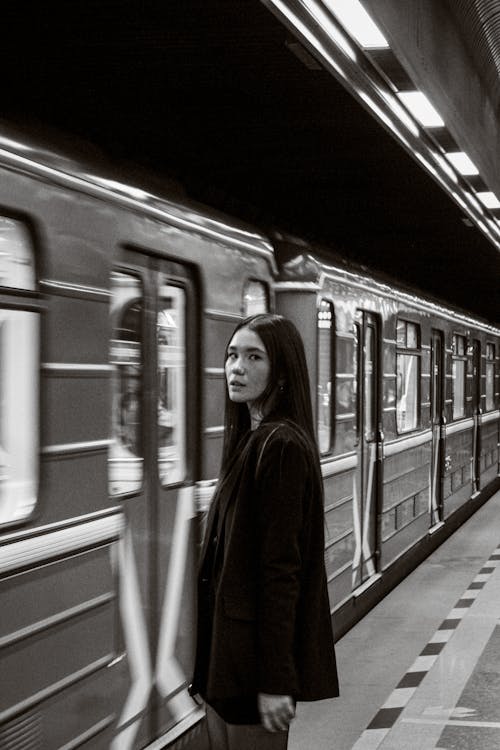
[422, 670]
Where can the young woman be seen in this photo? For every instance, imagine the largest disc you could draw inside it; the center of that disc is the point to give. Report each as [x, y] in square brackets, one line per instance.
[264, 630]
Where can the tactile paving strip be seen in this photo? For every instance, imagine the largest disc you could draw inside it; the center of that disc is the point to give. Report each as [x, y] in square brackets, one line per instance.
[387, 715]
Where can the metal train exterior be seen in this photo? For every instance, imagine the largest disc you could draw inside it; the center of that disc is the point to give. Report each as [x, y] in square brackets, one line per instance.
[115, 310]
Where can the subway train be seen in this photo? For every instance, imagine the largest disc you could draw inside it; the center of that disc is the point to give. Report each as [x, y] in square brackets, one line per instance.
[116, 304]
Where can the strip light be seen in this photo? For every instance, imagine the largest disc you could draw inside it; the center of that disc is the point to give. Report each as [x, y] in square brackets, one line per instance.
[421, 108]
[477, 205]
[358, 23]
[330, 28]
[488, 199]
[494, 226]
[445, 167]
[462, 163]
[400, 112]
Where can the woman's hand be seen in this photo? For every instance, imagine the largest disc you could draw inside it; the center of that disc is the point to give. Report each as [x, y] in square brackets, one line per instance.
[276, 711]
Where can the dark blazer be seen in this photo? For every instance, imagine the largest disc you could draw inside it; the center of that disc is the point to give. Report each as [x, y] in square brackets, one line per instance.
[266, 625]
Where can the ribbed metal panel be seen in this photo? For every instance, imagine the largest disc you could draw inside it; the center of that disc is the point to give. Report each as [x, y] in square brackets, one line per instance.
[23, 733]
[479, 21]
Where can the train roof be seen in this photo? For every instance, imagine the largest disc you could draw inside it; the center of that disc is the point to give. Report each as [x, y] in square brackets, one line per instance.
[301, 261]
[79, 164]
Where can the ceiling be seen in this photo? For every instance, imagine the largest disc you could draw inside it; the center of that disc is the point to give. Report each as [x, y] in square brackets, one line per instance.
[213, 94]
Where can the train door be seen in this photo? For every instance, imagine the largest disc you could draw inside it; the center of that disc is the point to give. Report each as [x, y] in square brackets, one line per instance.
[366, 483]
[476, 414]
[437, 425]
[151, 473]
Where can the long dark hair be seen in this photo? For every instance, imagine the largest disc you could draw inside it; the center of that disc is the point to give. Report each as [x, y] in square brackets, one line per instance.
[287, 396]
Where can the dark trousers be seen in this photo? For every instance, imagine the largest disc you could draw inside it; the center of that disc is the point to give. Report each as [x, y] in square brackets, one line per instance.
[225, 736]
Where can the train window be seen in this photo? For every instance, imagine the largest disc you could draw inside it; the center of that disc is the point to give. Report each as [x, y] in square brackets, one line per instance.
[490, 377]
[325, 374]
[346, 376]
[459, 363]
[369, 375]
[255, 298]
[17, 260]
[19, 354]
[171, 383]
[125, 462]
[408, 375]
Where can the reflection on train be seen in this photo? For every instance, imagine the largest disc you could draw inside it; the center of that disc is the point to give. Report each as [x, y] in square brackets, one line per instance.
[116, 305]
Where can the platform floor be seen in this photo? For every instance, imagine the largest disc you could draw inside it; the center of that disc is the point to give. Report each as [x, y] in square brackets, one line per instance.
[422, 669]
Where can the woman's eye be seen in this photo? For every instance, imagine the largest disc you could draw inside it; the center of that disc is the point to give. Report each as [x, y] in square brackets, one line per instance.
[231, 355]
[254, 356]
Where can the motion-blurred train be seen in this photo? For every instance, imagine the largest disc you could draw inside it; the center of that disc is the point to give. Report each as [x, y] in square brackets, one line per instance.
[115, 308]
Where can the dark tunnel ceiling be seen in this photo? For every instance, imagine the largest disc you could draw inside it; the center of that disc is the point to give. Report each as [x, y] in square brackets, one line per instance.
[210, 93]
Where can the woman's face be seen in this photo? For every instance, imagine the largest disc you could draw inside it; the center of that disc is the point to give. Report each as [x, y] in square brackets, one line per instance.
[247, 367]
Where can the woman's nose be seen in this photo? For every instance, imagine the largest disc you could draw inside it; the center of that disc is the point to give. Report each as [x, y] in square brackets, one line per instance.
[237, 367]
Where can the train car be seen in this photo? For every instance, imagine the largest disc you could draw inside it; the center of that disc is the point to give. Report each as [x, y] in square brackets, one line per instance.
[115, 308]
[407, 406]
[116, 304]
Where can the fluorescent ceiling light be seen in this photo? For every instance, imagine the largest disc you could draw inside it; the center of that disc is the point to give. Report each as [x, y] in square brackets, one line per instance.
[326, 24]
[421, 109]
[460, 201]
[488, 199]
[471, 198]
[445, 167]
[400, 112]
[462, 163]
[494, 226]
[358, 23]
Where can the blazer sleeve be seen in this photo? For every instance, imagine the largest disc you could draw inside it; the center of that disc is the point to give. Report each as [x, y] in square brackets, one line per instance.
[281, 507]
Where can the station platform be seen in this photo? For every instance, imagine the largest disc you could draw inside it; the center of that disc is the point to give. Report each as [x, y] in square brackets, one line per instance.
[422, 669]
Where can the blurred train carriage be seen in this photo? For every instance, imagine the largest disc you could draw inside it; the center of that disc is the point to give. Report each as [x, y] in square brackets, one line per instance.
[116, 306]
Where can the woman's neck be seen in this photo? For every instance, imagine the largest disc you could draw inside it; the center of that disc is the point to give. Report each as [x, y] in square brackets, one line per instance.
[256, 417]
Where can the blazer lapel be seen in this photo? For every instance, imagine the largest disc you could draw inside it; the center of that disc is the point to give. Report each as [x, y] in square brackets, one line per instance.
[225, 494]
[209, 526]
[232, 478]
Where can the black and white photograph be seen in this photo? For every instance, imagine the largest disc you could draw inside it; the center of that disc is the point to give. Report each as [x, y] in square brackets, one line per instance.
[250, 375]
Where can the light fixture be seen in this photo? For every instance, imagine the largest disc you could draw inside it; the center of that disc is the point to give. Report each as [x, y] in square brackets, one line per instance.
[358, 23]
[445, 167]
[421, 108]
[327, 26]
[462, 163]
[494, 226]
[482, 226]
[400, 112]
[488, 199]
[459, 200]
[478, 206]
